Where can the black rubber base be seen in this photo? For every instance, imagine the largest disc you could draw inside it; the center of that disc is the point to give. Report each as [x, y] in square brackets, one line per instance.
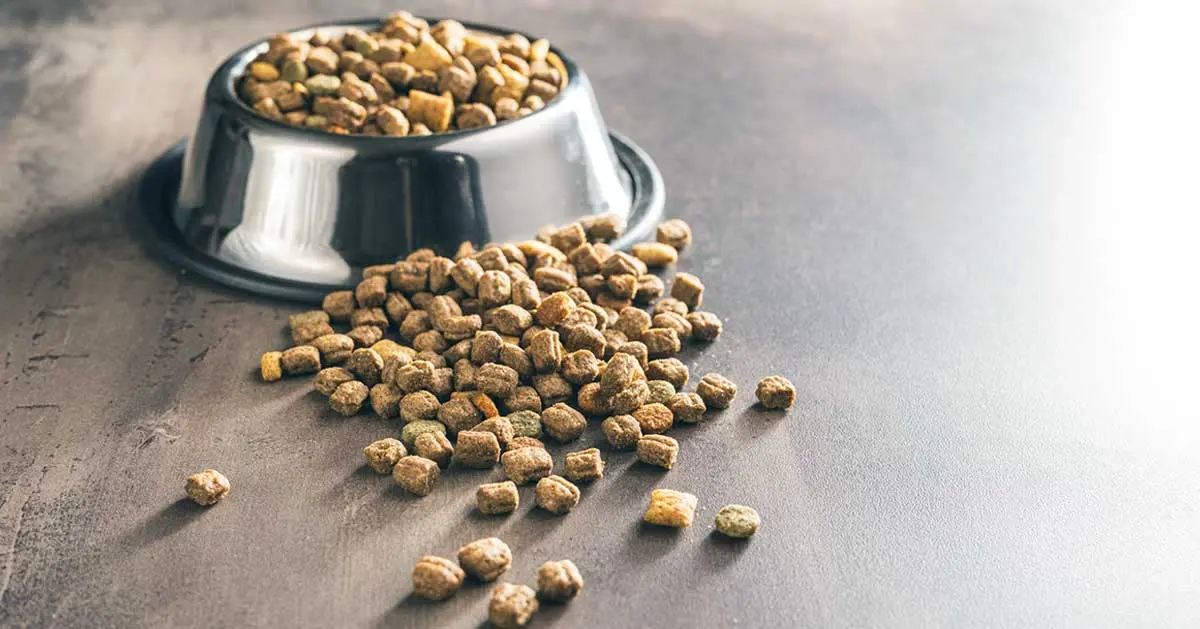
[160, 186]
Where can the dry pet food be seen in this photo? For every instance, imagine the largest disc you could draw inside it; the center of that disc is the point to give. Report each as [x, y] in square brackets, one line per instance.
[512, 605]
[622, 431]
[477, 448]
[659, 450]
[497, 498]
[584, 466]
[436, 578]
[738, 521]
[716, 390]
[671, 508]
[775, 392]
[558, 581]
[485, 559]
[415, 474]
[434, 445]
[207, 488]
[383, 454]
[687, 407]
[556, 494]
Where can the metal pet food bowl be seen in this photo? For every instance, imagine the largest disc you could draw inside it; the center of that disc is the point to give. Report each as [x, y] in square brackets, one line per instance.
[291, 212]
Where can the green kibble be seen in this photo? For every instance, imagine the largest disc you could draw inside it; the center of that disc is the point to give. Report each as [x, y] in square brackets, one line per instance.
[293, 70]
[738, 521]
[412, 430]
[526, 423]
[323, 85]
[661, 392]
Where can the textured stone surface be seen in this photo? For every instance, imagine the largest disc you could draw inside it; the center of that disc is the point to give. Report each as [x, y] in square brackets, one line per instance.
[900, 216]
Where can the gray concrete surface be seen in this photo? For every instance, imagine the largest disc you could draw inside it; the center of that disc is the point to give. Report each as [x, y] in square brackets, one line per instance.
[946, 221]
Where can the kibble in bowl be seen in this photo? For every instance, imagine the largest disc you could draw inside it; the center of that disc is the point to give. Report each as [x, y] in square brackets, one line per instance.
[324, 150]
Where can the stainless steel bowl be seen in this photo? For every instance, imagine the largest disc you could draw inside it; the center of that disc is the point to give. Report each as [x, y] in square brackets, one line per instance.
[294, 213]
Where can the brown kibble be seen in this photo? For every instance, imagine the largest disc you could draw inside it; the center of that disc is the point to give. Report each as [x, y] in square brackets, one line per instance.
[365, 336]
[385, 400]
[485, 405]
[349, 397]
[397, 307]
[661, 342]
[499, 426]
[477, 448]
[392, 121]
[649, 288]
[556, 494]
[419, 405]
[524, 399]
[622, 431]
[430, 341]
[497, 498]
[602, 227]
[526, 442]
[526, 464]
[415, 376]
[554, 309]
[486, 348]
[435, 578]
[675, 232]
[613, 340]
[669, 369]
[330, 378]
[517, 359]
[621, 263]
[459, 414]
[300, 359]
[512, 605]
[623, 285]
[270, 366]
[632, 322]
[553, 279]
[671, 508]
[541, 90]
[563, 423]
[304, 333]
[383, 455]
[670, 304]
[207, 488]
[511, 319]
[716, 390]
[268, 108]
[485, 559]
[339, 305]
[435, 447]
[410, 276]
[687, 407]
[688, 289]
[334, 348]
[416, 474]
[369, 316]
[638, 350]
[429, 55]
[466, 274]
[705, 325]
[480, 51]
[494, 288]
[545, 350]
[475, 115]
[775, 393]
[654, 418]
[674, 321]
[580, 367]
[366, 365]
[620, 373]
[583, 337]
[459, 83]
[559, 581]
[584, 466]
[459, 328]
[591, 401]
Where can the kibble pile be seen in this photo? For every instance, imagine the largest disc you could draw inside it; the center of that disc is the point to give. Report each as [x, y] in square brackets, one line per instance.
[486, 355]
[407, 78]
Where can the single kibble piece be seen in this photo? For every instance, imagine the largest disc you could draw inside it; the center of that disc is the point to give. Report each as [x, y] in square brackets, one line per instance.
[669, 369]
[419, 405]
[581, 366]
[524, 399]
[412, 430]
[383, 455]
[300, 360]
[554, 309]
[687, 407]
[716, 390]
[631, 399]
[415, 376]
[661, 342]
[674, 321]
[559, 581]
[556, 494]
[670, 304]
[637, 349]
[512, 605]
[372, 291]
[591, 401]
[674, 232]
[435, 447]
[339, 305]
[775, 392]
[525, 442]
[526, 464]
[485, 559]
[365, 336]
[497, 498]
[485, 405]
[348, 398]
[738, 521]
[655, 254]
[525, 423]
[416, 475]
[622, 431]
[661, 392]
[369, 316]
[366, 364]
[436, 579]
[705, 325]
[583, 466]
[485, 348]
[563, 423]
[207, 487]
[659, 450]
[671, 508]
[306, 332]
[477, 448]
[495, 379]
[459, 414]
[499, 426]
[271, 366]
[385, 400]
[620, 373]
[688, 289]
[545, 350]
[334, 348]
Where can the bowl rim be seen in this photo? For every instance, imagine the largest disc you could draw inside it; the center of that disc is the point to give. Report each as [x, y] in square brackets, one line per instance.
[221, 90]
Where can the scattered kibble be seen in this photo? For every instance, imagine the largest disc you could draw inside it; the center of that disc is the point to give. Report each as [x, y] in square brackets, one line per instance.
[775, 393]
[512, 605]
[674, 232]
[415, 474]
[348, 398]
[271, 366]
[556, 494]
[622, 431]
[485, 559]
[525, 465]
[383, 455]
[584, 466]
[434, 445]
[738, 521]
[654, 418]
[659, 450]
[207, 488]
[478, 449]
[716, 390]
[497, 498]
[436, 578]
[671, 508]
[559, 581]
